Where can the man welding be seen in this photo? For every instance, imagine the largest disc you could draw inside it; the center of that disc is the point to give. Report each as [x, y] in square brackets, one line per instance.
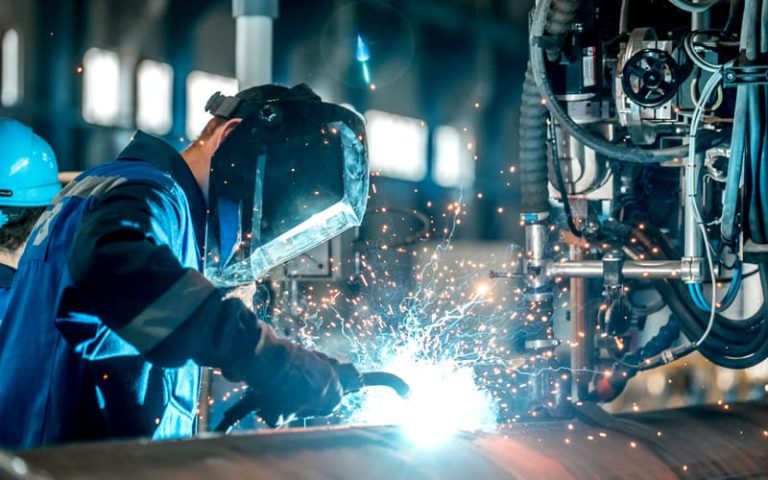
[110, 319]
[28, 182]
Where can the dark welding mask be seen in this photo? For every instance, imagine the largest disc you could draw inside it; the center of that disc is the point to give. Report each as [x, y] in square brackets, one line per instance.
[291, 176]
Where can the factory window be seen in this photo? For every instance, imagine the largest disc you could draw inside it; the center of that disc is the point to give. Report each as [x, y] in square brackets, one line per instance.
[154, 86]
[11, 68]
[397, 145]
[101, 86]
[200, 87]
[454, 161]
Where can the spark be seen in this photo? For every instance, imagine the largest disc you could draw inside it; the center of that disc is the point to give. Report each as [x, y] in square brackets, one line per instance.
[439, 326]
[445, 398]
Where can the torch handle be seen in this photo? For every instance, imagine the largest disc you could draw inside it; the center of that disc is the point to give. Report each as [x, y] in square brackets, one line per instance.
[351, 381]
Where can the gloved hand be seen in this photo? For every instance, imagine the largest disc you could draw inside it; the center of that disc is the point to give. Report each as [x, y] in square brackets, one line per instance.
[289, 381]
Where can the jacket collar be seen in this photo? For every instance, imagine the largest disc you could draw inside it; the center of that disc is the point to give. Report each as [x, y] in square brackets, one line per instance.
[6, 276]
[153, 150]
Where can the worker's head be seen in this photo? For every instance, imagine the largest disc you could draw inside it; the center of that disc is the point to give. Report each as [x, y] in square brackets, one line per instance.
[28, 182]
[288, 172]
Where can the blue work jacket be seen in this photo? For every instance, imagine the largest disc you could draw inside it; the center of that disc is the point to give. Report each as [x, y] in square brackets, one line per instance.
[109, 318]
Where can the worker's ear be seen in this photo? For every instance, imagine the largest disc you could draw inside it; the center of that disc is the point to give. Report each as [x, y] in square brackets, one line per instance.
[224, 130]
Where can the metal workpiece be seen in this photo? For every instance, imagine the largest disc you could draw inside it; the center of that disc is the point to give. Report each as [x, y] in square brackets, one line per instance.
[698, 442]
[643, 269]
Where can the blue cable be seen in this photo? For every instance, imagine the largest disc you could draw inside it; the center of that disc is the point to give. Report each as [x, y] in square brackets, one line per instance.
[694, 293]
[700, 301]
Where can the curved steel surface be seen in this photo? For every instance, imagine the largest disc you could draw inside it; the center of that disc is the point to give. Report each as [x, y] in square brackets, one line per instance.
[700, 442]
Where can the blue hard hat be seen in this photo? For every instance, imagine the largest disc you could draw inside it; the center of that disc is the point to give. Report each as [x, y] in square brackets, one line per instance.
[28, 167]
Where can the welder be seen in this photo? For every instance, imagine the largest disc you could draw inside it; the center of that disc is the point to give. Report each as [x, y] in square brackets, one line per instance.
[111, 317]
[28, 183]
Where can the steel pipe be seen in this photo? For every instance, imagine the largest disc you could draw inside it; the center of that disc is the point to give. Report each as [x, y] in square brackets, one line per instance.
[644, 270]
[253, 42]
[698, 442]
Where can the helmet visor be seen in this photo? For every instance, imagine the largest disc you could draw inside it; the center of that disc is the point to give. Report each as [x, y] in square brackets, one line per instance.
[287, 179]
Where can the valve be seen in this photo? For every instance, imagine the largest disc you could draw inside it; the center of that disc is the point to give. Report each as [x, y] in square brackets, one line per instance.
[650, 77]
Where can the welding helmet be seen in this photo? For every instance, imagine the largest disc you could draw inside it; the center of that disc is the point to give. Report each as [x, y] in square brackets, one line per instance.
[28, 170]
[292, 175]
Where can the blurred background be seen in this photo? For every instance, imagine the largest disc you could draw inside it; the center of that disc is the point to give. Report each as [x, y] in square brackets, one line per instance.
[441, 92]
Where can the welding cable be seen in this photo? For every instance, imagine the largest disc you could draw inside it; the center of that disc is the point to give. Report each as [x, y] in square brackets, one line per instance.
[739, 343]
[676, 289]
[764, 28]
[695, 297]
[733, 343]
[695, 96]
[672, 354]
[532, 149]
[532, 134]
[610, 386]
[561, 181]
[711, 85]
[758, 202]
[758, 144]
[729, 230]
[733, 11]
[600, 145]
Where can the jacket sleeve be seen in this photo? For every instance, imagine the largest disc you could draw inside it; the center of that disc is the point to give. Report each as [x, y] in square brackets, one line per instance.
[125, 271]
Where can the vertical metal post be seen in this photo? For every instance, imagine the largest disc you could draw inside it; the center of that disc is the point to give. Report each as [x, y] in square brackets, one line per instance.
[582, 332]
[253, 45]
[692, 242]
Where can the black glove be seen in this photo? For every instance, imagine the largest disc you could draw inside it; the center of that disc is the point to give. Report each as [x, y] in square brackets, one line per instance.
[289, 381]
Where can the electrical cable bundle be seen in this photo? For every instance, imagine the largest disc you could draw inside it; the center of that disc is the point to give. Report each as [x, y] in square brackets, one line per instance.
[727, 342]
[697, 295]
[731, 343]
[620, 152]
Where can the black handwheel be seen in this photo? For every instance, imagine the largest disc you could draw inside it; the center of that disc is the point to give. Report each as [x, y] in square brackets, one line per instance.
[650, 77]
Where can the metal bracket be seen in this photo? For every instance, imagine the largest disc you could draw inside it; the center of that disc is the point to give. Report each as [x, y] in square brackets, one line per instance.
[745, 75]
[612, 264]
[692, 269]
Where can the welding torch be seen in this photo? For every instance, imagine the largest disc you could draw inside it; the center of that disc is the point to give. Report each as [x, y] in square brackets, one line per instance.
[351, 381]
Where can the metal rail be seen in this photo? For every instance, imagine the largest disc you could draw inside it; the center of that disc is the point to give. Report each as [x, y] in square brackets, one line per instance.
[647, 269]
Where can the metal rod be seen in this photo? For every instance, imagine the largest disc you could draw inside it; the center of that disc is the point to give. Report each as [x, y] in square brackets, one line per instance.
[648, 269]
[692, 244]
[582, 332]
[535, 246]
